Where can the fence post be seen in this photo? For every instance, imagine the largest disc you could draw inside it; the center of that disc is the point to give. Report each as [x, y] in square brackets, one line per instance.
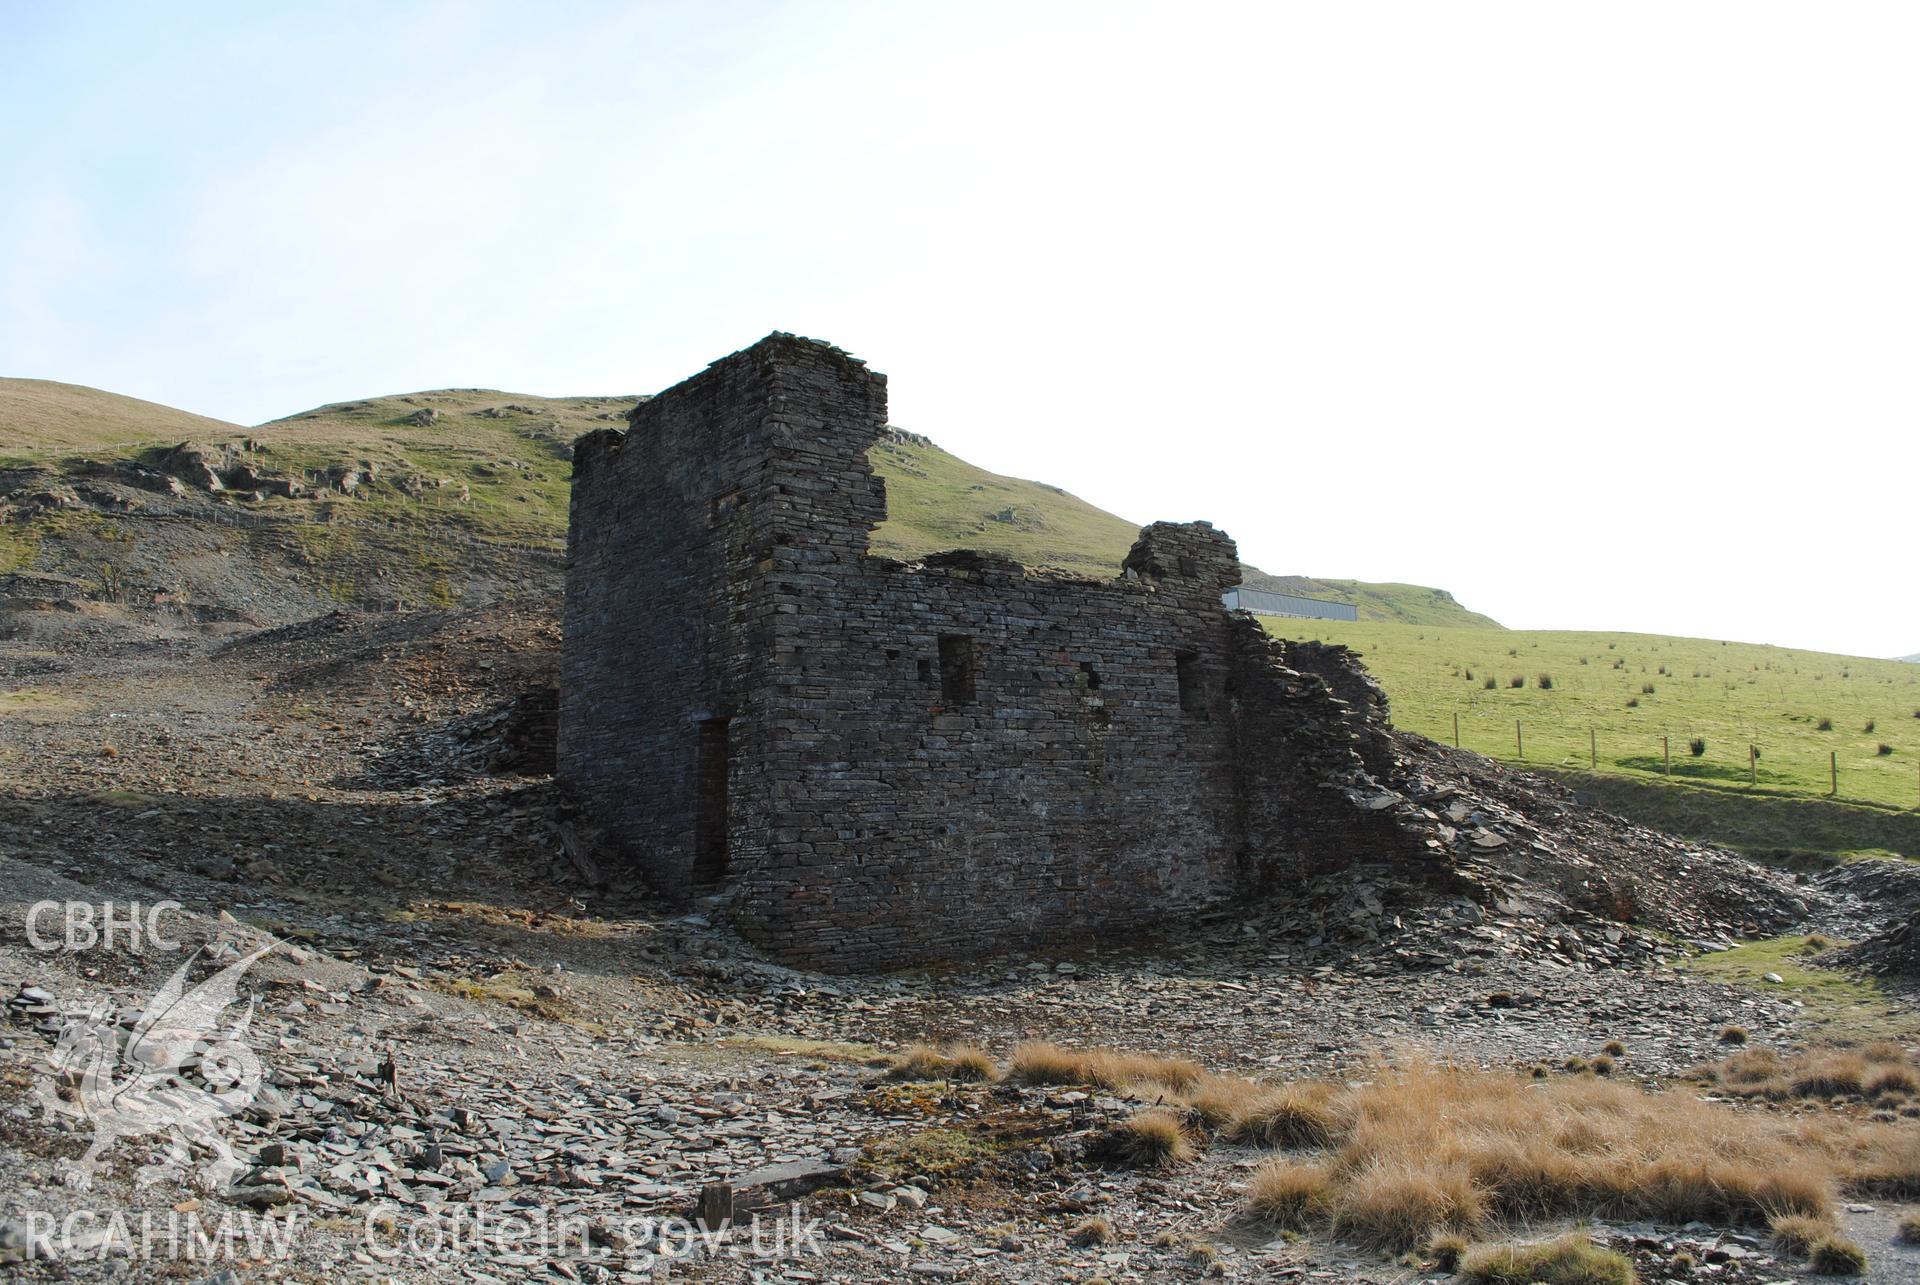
[1666, 752]
[1753, 765]
[1833, 767]
[1456, 729]
[1593, 749]
[1519, 746]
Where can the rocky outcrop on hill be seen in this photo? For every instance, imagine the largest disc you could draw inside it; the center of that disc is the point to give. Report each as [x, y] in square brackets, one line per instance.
[196, 465]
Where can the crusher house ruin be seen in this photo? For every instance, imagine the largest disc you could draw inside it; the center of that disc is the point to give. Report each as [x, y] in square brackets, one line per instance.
[880, 762]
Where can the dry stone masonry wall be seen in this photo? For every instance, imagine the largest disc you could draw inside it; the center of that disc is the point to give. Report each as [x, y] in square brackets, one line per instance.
[881, 762]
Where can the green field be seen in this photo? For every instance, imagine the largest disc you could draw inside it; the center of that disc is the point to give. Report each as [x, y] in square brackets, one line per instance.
[1617, 702]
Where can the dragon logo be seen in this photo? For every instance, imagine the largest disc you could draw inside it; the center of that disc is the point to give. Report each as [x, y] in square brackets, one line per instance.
[174, 1070]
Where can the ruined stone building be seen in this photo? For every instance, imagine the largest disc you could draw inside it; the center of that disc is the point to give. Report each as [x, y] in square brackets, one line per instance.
[880, 762]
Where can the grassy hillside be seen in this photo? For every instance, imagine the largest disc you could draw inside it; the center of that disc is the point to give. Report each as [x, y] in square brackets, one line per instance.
[1408, 603]
[39, 416]
[509, 451]
[938, 501]
[1801, 709]
[494, 466]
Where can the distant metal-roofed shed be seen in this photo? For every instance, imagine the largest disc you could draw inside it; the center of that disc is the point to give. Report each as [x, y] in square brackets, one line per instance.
[1262, 603]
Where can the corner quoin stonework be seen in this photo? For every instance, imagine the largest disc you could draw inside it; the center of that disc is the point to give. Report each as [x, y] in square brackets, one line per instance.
[881, 762]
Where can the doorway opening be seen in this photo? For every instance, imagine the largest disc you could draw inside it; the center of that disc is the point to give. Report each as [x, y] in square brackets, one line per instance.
[710, 852]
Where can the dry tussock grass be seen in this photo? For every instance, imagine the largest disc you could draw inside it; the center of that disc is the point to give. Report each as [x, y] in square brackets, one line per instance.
[1881, 1160]
[1446, 1250]
[1890, 1081]
[963, 1063]
[1151, 1139]
[1837, 1256]
[1398, 1202]
[1218, 1100]
[1094, 1231]
[1880, 1070]
[1424, 1149]
[1043, 1063]
[1796, 1234]
[1302, 1114]
[1570, 1260]
[1290, 1195]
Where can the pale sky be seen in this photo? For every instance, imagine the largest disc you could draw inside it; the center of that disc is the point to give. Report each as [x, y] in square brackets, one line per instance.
[1600, 316]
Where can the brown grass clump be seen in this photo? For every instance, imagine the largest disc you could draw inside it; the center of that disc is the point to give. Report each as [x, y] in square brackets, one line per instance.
[1301, 1114]
[1880, 1070]
[1289, 1195]
[972, 1065]
[1094, 1231]
[1828, 1075]
[1750, 1069]
[1218, 1100]
[1446, 1250]
[1602, 1065]
[1909, 1233]
[1614, 1048]
[1150, 1139]
[1042, 1063]
[1837, 1256]
[1732, 1192]
[1570, 1260]
[1733, 1035]
[1796, 1234]
[1890, 1081]
[1884, 1161]
[1401, 1202]
[961, 1063]
[1424, 1149]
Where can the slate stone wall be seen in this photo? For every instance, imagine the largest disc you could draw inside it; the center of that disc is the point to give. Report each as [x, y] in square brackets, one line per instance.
[941, 759]
[1062, 788]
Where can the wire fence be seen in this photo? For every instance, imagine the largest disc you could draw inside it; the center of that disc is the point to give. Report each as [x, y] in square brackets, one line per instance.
[1751, 763]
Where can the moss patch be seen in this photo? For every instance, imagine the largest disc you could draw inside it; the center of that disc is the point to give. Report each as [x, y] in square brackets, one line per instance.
[1845, 1006]
[823, 1050]
[932, 1152]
